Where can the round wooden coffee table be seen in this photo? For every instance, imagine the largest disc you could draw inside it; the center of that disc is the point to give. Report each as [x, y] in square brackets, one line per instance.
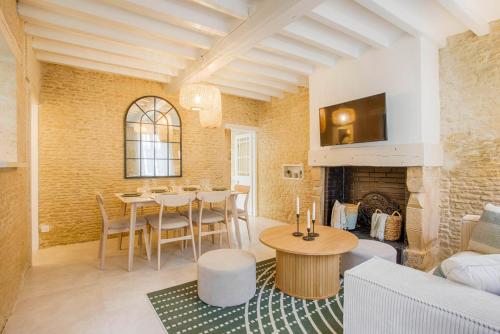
[308, 269]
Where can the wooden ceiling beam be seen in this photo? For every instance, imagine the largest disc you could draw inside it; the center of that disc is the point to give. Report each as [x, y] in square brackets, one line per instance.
[468, 15]
[99, 67]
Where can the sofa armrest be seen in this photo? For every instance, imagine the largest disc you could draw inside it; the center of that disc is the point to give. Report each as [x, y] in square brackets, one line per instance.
[468, 224]
[383, 297]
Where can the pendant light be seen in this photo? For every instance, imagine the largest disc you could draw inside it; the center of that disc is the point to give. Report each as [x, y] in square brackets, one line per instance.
[212, 118]
[197, 97]
[203, 98]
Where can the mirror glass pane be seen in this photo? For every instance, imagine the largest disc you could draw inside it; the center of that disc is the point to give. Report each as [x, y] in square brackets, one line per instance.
[174, 167]
[133, 149]
[133, 167]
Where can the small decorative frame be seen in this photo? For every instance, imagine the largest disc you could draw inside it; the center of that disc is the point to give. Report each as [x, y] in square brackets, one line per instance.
[293, 172]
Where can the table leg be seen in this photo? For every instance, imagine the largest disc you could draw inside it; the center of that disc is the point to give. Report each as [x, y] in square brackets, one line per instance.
[234, 210]
[133, 217]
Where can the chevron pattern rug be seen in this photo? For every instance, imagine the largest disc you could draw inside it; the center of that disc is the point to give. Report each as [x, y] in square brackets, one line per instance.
[269, 311]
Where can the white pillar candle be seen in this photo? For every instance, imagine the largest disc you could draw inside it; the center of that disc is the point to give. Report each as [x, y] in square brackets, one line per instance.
[298, 205]
[314, 210]
[308, 219]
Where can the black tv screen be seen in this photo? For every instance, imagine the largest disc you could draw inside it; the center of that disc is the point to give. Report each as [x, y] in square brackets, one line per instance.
[357, 121]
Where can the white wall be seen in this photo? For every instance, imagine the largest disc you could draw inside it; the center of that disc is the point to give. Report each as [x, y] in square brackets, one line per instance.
[408, 73]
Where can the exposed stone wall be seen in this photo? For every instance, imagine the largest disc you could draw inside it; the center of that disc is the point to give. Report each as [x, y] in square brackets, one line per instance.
[81, 146]
[470, 127]
[15, 249]
[283, 138]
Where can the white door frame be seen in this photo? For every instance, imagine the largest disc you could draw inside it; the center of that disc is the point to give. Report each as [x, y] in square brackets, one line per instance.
[253, 140]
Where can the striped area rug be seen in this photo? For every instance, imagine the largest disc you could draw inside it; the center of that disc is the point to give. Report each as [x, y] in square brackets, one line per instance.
[269, 311]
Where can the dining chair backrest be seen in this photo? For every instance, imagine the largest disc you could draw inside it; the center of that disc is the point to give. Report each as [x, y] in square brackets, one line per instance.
[174, 200]
[244, 190]
[213, 196]
[100, 202]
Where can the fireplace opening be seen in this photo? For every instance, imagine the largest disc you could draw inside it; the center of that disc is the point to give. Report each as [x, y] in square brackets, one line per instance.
[382, 188]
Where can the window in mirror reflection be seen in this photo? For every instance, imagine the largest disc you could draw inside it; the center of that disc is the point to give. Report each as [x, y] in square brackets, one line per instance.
[153, 136]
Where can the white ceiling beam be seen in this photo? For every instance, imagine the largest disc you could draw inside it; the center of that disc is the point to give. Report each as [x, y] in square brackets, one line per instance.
[182, 13]
[95, 66]
[286, 46]
[236, 8]
[133, 22]
[468, 15]
[99, 56]
[246, 86]
[269, 17]
[311, 32]
[397, 13]
[39, 16]
[244, 93]
[256, 79]
[356, 21]
[269, 72]
[271, 59]
[105, 45]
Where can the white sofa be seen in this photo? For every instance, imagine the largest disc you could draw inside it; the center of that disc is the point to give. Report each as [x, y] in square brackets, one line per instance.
[383, 297]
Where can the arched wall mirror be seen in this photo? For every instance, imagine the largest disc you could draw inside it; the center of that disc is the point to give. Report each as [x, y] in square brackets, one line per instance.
[153, 139]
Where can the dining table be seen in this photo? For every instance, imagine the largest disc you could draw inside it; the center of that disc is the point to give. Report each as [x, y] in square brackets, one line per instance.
[148, 199]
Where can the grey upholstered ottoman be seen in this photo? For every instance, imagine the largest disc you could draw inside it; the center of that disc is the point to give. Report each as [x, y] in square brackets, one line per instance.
[226, 277]
[366, 250]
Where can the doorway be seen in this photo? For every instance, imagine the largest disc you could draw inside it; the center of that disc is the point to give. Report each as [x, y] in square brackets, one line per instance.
[244, 164]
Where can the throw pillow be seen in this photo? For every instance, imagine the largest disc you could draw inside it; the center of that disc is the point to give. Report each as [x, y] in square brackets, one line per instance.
[480, 272]
[485, 237]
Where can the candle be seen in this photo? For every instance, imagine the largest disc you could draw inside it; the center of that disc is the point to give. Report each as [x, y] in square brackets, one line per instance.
[314, 210]
[308, 219]
[298, 205]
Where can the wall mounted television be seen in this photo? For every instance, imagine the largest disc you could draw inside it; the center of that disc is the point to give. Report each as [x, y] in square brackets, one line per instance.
[358, 121]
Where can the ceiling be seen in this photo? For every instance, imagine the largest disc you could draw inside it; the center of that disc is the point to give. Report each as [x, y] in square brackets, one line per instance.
[256, 49]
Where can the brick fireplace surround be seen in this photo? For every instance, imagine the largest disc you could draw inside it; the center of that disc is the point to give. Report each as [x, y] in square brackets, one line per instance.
[421, 213]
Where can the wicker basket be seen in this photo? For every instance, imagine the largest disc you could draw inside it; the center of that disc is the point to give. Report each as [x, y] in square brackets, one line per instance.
[393, 223]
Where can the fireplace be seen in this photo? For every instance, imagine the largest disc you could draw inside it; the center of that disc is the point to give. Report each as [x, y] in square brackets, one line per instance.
[382, 188]
[420, 207]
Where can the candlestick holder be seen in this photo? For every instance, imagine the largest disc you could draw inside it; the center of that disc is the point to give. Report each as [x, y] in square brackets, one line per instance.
[297, 233]
[309, 236]
[314, 234]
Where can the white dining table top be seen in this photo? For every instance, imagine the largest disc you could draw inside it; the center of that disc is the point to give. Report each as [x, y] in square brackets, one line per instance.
[150, 197]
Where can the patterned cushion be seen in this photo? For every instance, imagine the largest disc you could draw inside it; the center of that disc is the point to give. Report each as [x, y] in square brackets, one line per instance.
[486, 235]
[480, 272]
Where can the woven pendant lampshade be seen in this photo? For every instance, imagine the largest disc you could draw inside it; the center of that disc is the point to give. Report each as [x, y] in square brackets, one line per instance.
[198, 97]
[212, 118]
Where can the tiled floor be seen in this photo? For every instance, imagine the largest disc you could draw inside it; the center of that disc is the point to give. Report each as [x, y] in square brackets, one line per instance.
[65, 292]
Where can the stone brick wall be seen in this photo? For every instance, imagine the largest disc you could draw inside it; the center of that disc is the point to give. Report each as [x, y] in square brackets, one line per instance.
[15, 249]
[81, 146]
[283, 138]
[470, 127]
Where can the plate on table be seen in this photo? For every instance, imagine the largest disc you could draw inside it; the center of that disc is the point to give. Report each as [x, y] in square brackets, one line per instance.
[131, 194]
[158, 191]
[190, 188]
[219, 188]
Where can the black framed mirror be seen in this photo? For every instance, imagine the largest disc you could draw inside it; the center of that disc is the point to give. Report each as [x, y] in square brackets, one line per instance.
[153, 139]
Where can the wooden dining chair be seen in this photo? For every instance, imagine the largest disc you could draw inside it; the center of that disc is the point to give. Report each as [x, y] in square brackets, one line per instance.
[242, 212]
[165, 221]
[212, 218]
[118, 226]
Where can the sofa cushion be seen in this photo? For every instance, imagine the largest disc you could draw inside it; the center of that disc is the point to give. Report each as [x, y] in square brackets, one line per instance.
[481, 272]
[485, 237]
